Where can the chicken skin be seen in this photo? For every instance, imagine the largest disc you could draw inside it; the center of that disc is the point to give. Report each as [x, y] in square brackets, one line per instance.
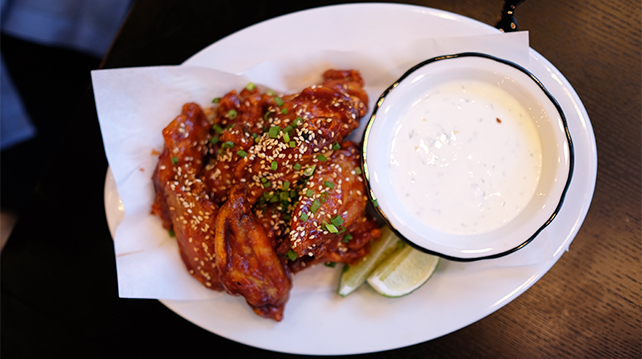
[182, 200]
[247, 262]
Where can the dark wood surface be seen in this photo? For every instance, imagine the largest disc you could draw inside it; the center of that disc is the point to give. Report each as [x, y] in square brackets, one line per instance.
[59, 291]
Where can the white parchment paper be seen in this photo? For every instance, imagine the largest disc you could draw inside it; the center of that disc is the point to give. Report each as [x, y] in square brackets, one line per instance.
[135, 104]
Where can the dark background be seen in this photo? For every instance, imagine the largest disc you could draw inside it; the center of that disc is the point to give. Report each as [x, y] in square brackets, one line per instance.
[51, 82]
[58, 276]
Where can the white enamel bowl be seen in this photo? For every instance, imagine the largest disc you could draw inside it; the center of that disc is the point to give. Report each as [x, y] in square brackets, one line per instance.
[551, 127]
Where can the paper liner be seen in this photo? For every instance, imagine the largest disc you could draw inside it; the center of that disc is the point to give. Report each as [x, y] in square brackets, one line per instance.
[135, 104]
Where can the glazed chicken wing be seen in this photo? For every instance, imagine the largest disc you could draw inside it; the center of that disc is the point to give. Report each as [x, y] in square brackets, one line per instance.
[193, 217]
[238, 119]
[186, 139]
[333, 199]
[350, 247]
[247, 262]
[303, 129]
[182, 200]
[261, 186]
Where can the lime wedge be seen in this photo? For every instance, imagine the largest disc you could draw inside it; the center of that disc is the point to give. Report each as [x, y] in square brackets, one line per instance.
[403, 272]
[355, 275]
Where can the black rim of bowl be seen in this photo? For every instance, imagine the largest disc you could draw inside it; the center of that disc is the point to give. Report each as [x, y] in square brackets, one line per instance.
[380, 101]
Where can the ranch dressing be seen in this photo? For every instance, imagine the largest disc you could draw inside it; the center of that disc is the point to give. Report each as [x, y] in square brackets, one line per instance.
[465, 158]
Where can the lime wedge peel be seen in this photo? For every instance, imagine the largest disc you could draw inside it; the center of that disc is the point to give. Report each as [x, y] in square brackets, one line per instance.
[354, 276]
[403, 272]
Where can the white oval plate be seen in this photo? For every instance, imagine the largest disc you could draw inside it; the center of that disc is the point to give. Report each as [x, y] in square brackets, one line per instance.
[317, 320]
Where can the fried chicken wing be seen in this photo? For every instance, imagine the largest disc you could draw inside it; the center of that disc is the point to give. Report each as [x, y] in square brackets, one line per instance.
[276, 221]
[186, 139]
[349, 248]
[219, 174]
[303, 128]
[182, 200]
[333, 199]
[193, 217]
[260, 186]
[247, 262]
[349, 81]
[238, 119]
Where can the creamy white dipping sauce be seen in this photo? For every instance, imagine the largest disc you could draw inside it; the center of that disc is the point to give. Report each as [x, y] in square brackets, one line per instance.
[465, 158]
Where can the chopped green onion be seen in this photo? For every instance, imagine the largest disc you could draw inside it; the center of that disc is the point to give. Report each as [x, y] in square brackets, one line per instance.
[292, 193]
[330, 264]
[171, 233]
[309, 193]
[217, 128]
[342, 229]
[274, 131]
[274, 199]
[214, 140]
[315, 206]
[270, 93]
[267, 184]
[286, 137]
[375, 203]
[304, 217]
[250, 86]
[278, 101]
[274, 165]
[288, 129]
[254, 136]
[216, 100]
[309, 171]
[242, 153]
[283, 196]
[357, 170]
[286, 185]
[331, 228]
[291, 255]
[296, 166]
[337, 221]
[336, 146]
[174, 160]
[263, 179]
[324, 197]
[228, 144]
[292, 144]
[297, 121]
[328, 184]
[284, 111]
[265, 117]
[346, 238]
[232, 114]
[322, 158]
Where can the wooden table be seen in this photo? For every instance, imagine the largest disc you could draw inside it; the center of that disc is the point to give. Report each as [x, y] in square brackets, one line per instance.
[59, 290]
